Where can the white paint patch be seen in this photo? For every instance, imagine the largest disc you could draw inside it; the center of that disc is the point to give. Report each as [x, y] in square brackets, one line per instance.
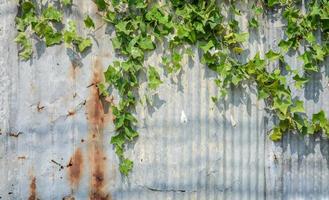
[183, 118]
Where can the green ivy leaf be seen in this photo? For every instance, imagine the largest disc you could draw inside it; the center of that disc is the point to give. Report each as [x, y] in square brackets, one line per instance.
[253, 23]
[298, 107]
[27, 7]
[237, 50]
[53, 38]
[153, 78]
[281, 105]
[271, 55]
[84, 44]
[319, 52]
[272, 3]
[26, 51]
[66, 2]
[126, 166]
[52, 14]
[146, 43]
[300, 81]
[276, 134]
[257, 10]
[310, 38]
[241, 37]
[71, 37]
[320, 121]
[285, 45]
[89, 23]
[121, 27]
[136, 52]
[101, 5]
[207, 46]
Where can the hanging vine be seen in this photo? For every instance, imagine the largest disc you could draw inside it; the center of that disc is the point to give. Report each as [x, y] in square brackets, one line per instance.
[141, 25]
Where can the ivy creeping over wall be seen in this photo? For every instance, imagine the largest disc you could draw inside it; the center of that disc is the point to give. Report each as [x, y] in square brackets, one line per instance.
[141, 25]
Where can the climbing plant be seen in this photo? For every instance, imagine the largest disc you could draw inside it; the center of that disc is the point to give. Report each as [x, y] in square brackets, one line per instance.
[141, 25]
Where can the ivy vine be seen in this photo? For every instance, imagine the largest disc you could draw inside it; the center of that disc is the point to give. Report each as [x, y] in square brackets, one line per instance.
[141, 25]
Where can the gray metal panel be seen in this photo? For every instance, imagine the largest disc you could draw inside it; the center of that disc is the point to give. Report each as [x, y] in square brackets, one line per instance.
[189, 148]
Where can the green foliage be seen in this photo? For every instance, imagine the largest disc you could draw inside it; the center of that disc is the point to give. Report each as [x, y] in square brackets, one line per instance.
[89, 23]
[101, 4]
[71, 37]
[141, 25]
[26, 51]
[153, 78]
[52, 14]
[42, 25]
[66, 2]
[253, 23]
[271, 55]
[126, 166]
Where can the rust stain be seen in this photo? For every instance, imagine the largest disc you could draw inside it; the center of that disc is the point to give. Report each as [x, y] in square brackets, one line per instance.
[39, 107]
[21, 157]
[70, 113]
[33, 189]
[14, 134]
[98, 109]
[75, 168]
[68, 198]
[98, 114]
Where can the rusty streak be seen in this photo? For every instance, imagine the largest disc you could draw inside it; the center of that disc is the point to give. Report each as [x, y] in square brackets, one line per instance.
[33, 189]
[98, 114]
[75, 168]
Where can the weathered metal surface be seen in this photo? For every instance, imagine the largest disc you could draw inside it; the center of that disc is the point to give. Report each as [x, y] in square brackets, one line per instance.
[55, 131]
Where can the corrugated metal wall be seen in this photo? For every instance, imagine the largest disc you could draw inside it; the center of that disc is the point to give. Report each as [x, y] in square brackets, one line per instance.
[55, 131]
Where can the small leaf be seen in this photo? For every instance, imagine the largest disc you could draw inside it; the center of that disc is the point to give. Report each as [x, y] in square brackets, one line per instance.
[310, 38]
[84, 44]
[53, 38]
[276, 134]
[153, 78]
[66, 2]
[101, 4]
[52, 14]
[89, 23]
[285, 45]
[300, 81]
[271, 55]
[207, 46]
[126, 166]
[146, 43]
[26, 50]
[27, 6]
[241, 37]
[253, 23]
[272, 3]
[320, 121]
[237, 50]
[257, 10]
[281, 105]
[298, 107]
[319, 53]
[122, 27]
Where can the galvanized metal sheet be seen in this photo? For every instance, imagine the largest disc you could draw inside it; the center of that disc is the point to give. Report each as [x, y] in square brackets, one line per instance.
[55, 131]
